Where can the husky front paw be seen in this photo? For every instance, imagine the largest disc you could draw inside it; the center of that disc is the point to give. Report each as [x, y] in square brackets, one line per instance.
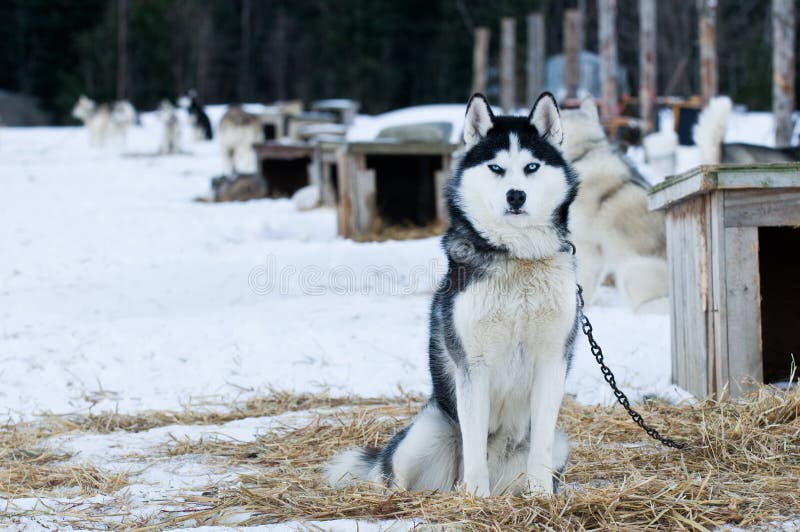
[540, 484]
[477, 486]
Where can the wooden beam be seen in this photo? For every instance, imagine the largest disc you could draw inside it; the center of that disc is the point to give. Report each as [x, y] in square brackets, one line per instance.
[480, 60]
[572, 42]
[707, 11]
[535, 66]
[508, 78]
[783, 69]
[607, 14]
[647, 63]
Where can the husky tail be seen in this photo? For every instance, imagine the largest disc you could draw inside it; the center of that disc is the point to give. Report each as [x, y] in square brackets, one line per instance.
[355, 465]
[710, 129]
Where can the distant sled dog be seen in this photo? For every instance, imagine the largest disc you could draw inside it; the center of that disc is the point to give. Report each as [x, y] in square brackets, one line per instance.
[611, 226]
[171, 133]
[709, 133]
[238, 131]
[502, 323]
[201, 125]
[104, 121]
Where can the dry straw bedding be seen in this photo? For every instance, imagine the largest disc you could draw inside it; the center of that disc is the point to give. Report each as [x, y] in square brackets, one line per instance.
[743, 467]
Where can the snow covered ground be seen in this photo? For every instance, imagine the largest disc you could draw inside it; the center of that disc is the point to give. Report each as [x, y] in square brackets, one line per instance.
[119, 292]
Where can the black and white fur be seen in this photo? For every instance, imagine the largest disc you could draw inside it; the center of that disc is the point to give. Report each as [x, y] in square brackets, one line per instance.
[502, 323]
[201, 125]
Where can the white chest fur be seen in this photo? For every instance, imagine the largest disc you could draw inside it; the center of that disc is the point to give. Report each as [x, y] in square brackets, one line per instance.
[521, 312]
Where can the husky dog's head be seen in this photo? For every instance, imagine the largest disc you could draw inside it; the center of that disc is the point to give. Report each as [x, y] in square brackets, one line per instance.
[84, 108]
[513, 187]
[582, 130]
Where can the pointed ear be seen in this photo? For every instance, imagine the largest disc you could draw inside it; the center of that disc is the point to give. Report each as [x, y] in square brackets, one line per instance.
[589, 107]
[479, 120]
[546, 119]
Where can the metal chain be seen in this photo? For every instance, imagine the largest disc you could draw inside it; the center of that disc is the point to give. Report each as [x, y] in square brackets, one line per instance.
[609, 377]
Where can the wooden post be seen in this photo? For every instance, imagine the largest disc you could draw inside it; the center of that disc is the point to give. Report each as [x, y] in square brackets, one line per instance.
[480, 60]
[783, 69]
[607, 13]
[536, 58]
[122, 49]
[572, 43]
[707, 10]
[508, 79]
[647, 63]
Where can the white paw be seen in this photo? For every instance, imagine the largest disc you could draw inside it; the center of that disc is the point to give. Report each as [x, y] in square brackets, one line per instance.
[477, 486]
[540, 484]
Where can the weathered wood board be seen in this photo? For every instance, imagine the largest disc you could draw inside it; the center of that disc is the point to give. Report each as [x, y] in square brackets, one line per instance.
[713, 219]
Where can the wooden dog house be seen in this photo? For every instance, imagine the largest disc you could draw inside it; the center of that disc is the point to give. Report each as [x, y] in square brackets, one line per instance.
[284, 167]
[391, 183]
[733, 249]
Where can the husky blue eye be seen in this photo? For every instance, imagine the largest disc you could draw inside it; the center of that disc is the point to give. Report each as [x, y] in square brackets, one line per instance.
[531, 168]
[496, 169]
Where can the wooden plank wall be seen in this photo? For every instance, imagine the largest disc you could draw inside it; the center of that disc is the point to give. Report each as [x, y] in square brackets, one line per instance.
[687, 254]
[742, 311]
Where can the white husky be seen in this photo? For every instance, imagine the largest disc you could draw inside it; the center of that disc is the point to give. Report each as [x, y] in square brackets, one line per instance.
[102, 121]
[171, 133]
[612, 229]
[502, 323]
[238, 131]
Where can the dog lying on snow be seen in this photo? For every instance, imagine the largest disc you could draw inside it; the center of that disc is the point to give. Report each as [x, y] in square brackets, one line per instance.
[502, 323]
[611, 227]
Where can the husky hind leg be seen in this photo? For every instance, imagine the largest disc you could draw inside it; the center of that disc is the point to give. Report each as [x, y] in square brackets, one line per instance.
[423, 456]
[643, 283]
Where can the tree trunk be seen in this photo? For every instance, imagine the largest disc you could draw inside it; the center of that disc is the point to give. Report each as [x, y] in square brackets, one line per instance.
[572, 43]
[647, 63]
[607, 14]
[480, 60]
[203, 48]
[122, 49]
[783, 69]
[707, 10]
[535, 68]
[508, 79]
[245, 46]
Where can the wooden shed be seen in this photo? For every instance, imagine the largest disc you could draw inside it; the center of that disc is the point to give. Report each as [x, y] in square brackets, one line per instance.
[391, 183]
[733, 249]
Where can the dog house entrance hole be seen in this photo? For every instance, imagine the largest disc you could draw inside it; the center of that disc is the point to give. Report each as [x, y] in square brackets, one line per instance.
[269, 131]
[779, 255]
[333, 172]
[285, 176]
[405, 188]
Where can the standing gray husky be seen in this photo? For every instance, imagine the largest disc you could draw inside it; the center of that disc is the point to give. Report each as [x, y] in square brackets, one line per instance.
[502, 323]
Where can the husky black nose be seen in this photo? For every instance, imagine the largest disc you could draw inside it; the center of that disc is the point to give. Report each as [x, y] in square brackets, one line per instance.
[515, 198]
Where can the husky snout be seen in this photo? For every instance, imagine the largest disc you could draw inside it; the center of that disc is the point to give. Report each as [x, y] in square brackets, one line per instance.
[515, 199]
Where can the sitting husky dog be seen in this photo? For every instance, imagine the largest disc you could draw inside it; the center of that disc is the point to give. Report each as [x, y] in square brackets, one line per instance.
[502, 323]
[171, 134]
[709, 133]
[612, 229]
[102, 121]
[201, 125]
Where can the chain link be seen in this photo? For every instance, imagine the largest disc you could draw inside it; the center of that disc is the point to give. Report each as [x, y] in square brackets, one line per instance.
[609, 377]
